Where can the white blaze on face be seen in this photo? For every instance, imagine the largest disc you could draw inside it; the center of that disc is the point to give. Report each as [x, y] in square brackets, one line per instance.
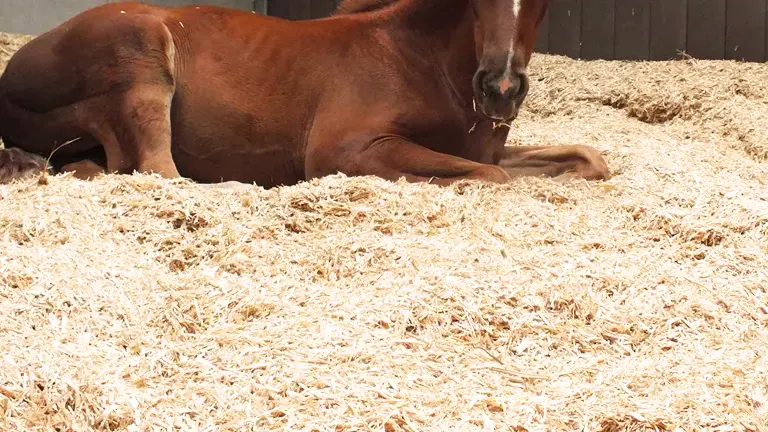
[516, 5]
[516, 8]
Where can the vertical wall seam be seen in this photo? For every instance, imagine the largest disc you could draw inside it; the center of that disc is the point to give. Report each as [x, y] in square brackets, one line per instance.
[650, 34]
[725, 30]
[615, 39]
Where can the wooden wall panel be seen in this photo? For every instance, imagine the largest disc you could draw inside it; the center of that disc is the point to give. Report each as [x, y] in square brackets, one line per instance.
[633, 29]
[235, 4]
[598, 35]
[565, 27]
[542, 40]
[322, 8]
[744, 30]
[299, 9]
[279, 8]
[706, 29]
[588, 29]
[260, 6]
[669, 25]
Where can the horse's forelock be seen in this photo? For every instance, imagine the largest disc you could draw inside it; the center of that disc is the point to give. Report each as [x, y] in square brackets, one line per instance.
[358, 6]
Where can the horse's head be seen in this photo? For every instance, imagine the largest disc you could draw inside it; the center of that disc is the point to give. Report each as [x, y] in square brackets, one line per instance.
[505, 35]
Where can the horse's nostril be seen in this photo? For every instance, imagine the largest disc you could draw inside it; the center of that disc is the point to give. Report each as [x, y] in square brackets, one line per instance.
[484, 82]
[505, 86]
[522, 90]
[487, 79]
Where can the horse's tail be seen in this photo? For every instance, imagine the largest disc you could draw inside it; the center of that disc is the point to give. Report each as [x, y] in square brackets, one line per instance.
[17, 164]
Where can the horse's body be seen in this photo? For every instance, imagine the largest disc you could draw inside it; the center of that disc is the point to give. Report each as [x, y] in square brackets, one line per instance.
[215, 95]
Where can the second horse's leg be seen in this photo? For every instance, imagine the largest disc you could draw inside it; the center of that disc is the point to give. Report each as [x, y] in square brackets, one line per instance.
[572, 161]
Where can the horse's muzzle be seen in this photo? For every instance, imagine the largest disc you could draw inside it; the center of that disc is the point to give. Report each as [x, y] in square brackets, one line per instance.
[500, 93]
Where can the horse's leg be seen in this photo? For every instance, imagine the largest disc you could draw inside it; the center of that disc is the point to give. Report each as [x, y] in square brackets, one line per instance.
[116, 94]
[134, 128]
[146, 129]
[562, 162]
[394, 157]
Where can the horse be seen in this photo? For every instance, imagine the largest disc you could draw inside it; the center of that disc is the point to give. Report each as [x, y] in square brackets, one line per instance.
[423, 90]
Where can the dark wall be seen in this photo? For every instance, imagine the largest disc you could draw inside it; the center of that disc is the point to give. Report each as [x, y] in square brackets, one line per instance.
[301, 9]
[629, 29]
[656, 29]
[589, 29]
[38, 16]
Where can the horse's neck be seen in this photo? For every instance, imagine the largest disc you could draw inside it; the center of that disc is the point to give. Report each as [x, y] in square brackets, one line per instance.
[442, 30]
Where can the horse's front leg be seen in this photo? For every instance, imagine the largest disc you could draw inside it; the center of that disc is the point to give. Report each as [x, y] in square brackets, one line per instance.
[571, 161]
[393, 157]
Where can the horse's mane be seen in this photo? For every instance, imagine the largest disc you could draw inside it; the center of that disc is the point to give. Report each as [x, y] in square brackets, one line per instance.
[359, 6]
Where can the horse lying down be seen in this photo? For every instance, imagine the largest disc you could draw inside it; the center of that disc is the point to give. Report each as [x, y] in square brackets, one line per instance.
[420, 89]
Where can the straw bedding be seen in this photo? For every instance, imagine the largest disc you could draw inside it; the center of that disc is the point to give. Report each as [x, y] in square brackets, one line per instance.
[637, 304]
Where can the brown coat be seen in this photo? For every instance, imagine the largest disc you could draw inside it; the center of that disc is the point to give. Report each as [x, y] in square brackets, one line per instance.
[409, 88]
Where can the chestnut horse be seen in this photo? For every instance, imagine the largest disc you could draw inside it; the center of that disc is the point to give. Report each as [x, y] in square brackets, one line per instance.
[420, 89]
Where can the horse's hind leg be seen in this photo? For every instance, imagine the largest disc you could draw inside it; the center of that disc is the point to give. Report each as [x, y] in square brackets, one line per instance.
[137, 133]
[133, 127]
[121, 102]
